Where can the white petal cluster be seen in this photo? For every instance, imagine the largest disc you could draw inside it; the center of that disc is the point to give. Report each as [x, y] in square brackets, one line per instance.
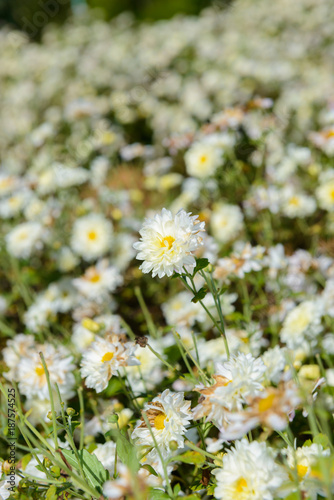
[249, 472]
[24, 239]
[301, 324]
[203, 159]
[91, 236]
[31, 376]
[104, 358]
[169, 415]
[168, 243]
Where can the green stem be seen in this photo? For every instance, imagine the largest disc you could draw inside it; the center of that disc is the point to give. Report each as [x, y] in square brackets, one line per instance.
[147, 315]
[54, 418]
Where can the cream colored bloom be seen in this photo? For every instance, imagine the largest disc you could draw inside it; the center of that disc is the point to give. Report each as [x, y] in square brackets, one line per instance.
[302, 323]
[169, 415]
[24, 238]
[203, 159]
[103, 359]
[91, 236]
[168, 243]
[249, 472]
[226, 222]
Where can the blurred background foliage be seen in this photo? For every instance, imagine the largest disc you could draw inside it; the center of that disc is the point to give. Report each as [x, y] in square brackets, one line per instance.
[23, 14]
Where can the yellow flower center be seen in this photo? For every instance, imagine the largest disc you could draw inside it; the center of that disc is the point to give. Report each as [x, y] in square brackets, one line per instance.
[167, 241]
[329, 133]
[240, 485]
[203, 159]
[107, 357]
[39, 370]
[92, 235]
[94, 278]
[294, 200]
[266, 403]
[301, 470]
[159, 421]
[332, 194]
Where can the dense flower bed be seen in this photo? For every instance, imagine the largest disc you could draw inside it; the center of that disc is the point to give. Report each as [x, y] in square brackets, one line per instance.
[167, 256]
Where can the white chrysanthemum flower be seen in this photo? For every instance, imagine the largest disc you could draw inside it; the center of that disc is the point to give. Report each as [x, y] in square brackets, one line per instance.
[14, 204]
[245, 376]
[249, 472]
[203, 159]
[325, 195]
[169, 415]
[236, 379]
[302, 323]
[98, 280]
[226, 222]
[301, 460]
[24, 238]
[103, 359]
[31, 375]
[91, 236]
[296, 204]
[168, 243]
[304, 457]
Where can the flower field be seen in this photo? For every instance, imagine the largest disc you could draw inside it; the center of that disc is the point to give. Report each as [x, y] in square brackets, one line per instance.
[167, 256]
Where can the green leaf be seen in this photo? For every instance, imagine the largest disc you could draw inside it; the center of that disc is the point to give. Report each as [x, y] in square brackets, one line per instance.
[199, 295]
[191, 497]
[114, 387]
[321, 439]
[125, 450]
[158, 495]
[293, 496]
[94, 471]
[150, 469]
[51, 494]
[25, 460]
[177, 488]
[200, 264]
[191, 457]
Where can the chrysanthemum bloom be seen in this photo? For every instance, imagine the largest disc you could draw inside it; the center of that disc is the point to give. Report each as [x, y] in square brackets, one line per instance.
[31, 375]
[98, 281]
[302, 323]
[103, 359]
[302, 460]
[169, 415]
[238, 378]
[273, 410]
[24, 238]
[249, 472]
[202, 160]
[168, 243]
[91, 236]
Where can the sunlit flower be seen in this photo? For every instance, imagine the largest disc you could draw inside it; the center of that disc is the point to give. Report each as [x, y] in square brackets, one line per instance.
[168, 415]
[168, 243]
[202, 159]
[249, 472]
[104, 358]
[91, 236]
